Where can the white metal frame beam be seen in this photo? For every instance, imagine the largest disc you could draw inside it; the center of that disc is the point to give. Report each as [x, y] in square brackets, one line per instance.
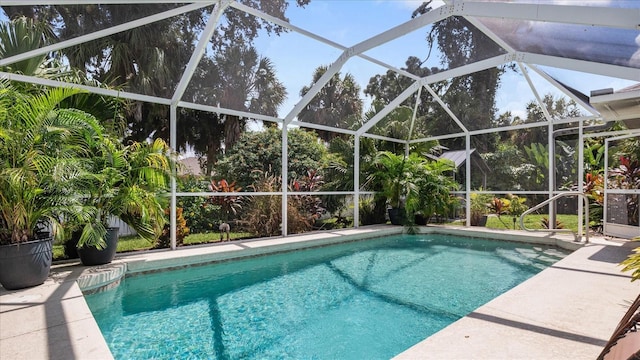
[608, 17]
[564, 90]
[105, 32]
[196, 56]
[91, 89]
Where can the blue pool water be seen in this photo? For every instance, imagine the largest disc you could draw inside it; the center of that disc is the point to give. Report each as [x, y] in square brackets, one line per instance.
[362, 300]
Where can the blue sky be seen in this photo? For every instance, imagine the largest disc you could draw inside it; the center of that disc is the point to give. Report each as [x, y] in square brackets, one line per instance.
[349, 22]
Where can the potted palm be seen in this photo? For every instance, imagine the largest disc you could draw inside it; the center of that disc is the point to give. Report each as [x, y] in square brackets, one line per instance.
[126, 182]
[413, 185]
[480, 205]
[394, 178]
[41, 161]
[433, 193]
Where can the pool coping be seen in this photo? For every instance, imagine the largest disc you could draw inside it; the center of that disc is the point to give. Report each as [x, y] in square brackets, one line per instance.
[53, 321]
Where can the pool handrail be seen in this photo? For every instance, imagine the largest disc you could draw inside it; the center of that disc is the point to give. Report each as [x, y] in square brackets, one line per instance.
[552, 230]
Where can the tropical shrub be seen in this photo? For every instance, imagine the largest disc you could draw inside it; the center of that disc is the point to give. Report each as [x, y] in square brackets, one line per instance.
[229, 204]
[164, 240]
[42, 149]
[200, 214]
[260, 152]
[262, 214]
[480, 203]
[127, 182]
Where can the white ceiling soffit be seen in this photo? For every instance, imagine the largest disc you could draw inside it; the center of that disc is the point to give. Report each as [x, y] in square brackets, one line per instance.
[620, 106]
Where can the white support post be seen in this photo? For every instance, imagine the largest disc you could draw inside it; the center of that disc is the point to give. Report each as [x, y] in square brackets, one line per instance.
[468, 178]
[551, 171]
[173, 117]
[605, 205]
[173, 142]
[356, 181]
[580, 179]
[415, 112]
[285, 179]
[550, 145]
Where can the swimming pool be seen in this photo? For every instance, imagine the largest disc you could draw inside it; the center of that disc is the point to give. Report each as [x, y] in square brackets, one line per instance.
[365, 299]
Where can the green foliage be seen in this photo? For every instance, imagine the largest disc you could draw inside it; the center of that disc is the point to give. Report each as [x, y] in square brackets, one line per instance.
[262, 215]
[164, 240]
[414, 182]
[507, 168]
[128, 182]
[509, 205]
[390, 175]
[257, 153]
[480, 203]
[42, 149]
[531, 221]
[434, 183]
[229, 204]
[337, 104]
[201, 215]
[544, 223]
[22, 34]
[632, 263]
[368, 214]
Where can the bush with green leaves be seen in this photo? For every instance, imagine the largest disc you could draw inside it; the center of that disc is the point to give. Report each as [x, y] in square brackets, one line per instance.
[259, 152]
[200, 214]
[164, 240]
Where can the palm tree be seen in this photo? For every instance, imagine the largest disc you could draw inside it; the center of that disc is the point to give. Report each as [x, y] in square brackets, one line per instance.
[127, 182]
[338, 104]
[42, 152]
[245, 82]
[23, 34]
[235, 78]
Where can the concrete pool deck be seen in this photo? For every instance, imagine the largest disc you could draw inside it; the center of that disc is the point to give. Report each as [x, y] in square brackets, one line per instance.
[568, 310]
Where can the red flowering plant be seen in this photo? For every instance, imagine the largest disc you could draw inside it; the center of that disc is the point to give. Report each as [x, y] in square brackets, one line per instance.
[229, 204]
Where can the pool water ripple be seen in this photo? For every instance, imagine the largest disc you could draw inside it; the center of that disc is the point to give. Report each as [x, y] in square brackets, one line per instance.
[366, 299]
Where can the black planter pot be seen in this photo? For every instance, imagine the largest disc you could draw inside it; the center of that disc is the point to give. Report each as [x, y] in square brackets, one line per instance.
[92, 256]
[420, 219]
[71, 245]
[26, 264]
[397, 216]
[479, 221]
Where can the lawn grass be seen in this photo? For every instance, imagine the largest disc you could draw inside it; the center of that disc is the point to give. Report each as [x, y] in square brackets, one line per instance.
[532, 221]
[136, 243]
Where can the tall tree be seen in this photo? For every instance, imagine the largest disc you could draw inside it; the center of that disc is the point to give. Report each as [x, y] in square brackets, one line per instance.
[338, 104]
[385, 88]
[259, 153]
[559, 108]
[148, 59]
[235, 78]
[23, 34]
[470, 97]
